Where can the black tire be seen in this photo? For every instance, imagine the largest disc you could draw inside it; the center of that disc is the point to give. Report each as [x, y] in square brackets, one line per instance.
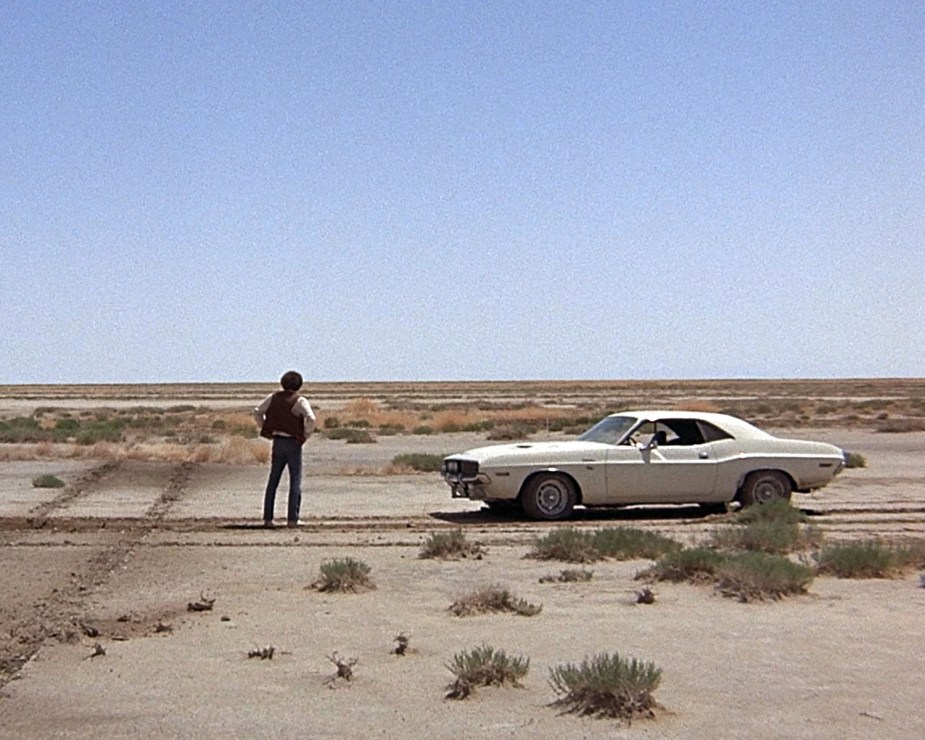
[765, 486]
[548, 496]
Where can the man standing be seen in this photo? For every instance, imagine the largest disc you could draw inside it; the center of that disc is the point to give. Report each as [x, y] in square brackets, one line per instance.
[287, 419]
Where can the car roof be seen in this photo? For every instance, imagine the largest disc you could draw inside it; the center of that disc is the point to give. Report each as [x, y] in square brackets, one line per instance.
[736, 427]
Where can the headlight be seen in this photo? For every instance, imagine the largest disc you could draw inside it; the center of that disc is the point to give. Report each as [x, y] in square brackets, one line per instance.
[460, 468]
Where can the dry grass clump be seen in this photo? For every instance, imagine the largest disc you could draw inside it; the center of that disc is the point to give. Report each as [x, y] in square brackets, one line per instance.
[450, 546]
[484, 666]
[492, 598]
[569, 576]
[345, 576]
[607, 685]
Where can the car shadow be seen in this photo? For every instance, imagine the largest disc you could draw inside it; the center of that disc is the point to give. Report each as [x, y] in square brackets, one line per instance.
[626, 514]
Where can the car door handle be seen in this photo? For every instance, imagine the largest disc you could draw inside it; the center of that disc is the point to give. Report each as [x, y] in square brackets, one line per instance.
[704, 455]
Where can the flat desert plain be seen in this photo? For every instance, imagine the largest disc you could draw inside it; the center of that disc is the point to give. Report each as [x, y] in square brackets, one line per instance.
[97, 638]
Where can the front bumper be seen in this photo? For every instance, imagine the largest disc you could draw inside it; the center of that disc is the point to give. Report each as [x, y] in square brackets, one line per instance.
[463, 477]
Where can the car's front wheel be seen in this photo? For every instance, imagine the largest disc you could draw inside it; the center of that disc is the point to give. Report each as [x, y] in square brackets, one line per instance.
[548, 496]
[765, 486]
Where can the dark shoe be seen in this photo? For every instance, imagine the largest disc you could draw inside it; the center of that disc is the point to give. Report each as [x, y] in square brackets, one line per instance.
[293, 524]
[268, 524]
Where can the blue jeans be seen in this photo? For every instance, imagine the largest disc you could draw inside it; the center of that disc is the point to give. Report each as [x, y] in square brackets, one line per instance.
[287, 452]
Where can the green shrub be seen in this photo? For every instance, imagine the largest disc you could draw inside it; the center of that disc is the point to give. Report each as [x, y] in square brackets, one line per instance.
[865, 559]
[567, 544]
[390, 430]
[627, 543]
[22, 429]
[622, 543]
[607, 685]
[352, 436]
[568, 576]
[424, 462]
[777, 537]
[48, 481]
[423, 430]
[66, 425]
[517, 430]
[492, 599]
[484, 666]
[450, 546]
[773, 511]
[757, 575]
[855, 460]
[331, 422]
[346, 575]
[695, 564]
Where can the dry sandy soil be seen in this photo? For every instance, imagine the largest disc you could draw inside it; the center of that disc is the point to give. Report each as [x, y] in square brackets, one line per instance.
[125, 547]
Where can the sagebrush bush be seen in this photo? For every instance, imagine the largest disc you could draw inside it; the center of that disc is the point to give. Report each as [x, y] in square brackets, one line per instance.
[621, 543]
[607, 685]
[567, 544]
[48, 481]
[449, 546]
[345, 575]
[352, 436]
[627, 543]
[751, 576]
[777, 537]
[424, 462]
[568, 576]
[773, 511]
[492, 598]
[694, 564]
[855, 460]
[484, 666]
[745, 575]
[864, 559]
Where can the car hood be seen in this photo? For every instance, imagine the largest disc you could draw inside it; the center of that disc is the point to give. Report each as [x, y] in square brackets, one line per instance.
[520, 452]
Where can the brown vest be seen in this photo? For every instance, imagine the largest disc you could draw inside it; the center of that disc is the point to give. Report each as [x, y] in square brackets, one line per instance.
[279, 417]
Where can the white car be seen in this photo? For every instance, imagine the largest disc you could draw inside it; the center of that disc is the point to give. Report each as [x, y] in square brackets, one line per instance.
[644, 457]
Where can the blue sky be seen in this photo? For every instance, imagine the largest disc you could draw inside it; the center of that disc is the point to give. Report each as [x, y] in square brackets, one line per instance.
[387, 190]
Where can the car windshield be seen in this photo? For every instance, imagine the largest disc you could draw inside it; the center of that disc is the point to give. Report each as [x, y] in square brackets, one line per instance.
[609, 430]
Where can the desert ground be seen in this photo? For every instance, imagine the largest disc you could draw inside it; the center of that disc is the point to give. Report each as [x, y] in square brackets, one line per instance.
[161, 510]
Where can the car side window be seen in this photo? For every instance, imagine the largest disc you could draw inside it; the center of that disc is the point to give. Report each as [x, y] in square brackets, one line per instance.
[712, 433]
[684, 433]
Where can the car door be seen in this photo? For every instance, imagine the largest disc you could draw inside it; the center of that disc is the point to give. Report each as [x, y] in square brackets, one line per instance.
[680, 470]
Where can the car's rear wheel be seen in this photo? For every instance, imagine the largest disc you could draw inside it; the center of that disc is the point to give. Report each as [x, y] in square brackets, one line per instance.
[548, 496]
[765, 486]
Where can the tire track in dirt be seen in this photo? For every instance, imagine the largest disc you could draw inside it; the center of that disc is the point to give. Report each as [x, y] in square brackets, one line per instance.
[81, 487]
[60, 614]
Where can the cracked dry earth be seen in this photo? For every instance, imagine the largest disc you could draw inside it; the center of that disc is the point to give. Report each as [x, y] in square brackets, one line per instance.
[97, 638]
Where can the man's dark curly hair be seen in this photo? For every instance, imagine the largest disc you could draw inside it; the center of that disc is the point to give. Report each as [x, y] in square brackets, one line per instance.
[291, 381]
